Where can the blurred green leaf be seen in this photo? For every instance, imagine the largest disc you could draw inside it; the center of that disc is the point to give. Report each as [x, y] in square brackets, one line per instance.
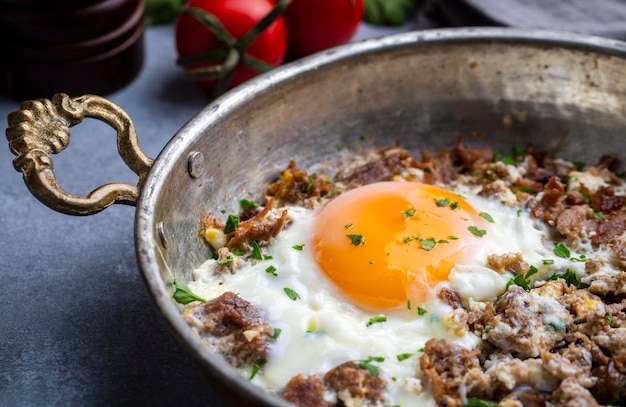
[162, 11]
[389, 12]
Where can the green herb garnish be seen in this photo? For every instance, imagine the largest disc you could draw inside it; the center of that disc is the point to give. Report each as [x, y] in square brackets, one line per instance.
[183, 294]
[247, 205]
[232, 223]
[403, 356]
[271, 270]
[486, 216]
[256, 367]
[373, 369]
[477, 232]
[376, 320]
[298, 247]
[357, 240]
[291, 294]
[408, 213]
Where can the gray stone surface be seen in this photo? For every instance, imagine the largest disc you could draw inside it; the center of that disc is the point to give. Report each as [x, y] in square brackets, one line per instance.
[77, 327]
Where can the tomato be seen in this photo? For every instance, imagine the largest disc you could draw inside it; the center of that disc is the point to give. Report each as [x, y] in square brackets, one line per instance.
[315, 25]
[238, 17]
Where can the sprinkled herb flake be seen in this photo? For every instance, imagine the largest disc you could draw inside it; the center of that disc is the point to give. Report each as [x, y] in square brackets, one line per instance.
[570, 277]
[348, 225]
[376, 320]
[367, 364]
[247, 205]
[477, 232]
[609, 318]
[547, 261]
[357, 240]
[421, 311]
[562, 251]
[276, 333]
[454, 205]
[225, 261]
[403, 356]
[309, 185]
[408, 213]
[452, 237]
[339, 146]
[183, 294]
[599, 215]
[408, 304]
[232, 223]
[291, 294]
[486, 216]
[256, 251]
[298, 247]
[442, 203]
[271, 270]
[256, 367]
[474, 402]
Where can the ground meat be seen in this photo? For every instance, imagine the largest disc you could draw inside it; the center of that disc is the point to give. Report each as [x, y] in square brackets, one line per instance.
[573, 224]
[513, 262]
[571, 394]
[355, 385]
[547, 208]
[232, 327]
[450, 297]
[518, 327]
[259, 228]
[608, 285]
[296, 186]
[305, 391]
[445, 365]
[382, 166]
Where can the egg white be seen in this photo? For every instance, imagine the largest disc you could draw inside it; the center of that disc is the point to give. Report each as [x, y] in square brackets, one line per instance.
[322, 329]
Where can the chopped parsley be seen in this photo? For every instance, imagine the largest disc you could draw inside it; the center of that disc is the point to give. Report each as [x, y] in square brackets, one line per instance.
[474, 402]
[228, 259]
[298, 247]
[256, 367]
[486, 216]
[348, 225]
[291, 294]
[426, 244]
[562, 251]
[523, 280]
[609, 318]
[442, 203]
[271, 270]
[376, 320]
[403, 356]
[421, 311]
[408, 213]
[247, 205]
[276, 333]
[599, 215]
[570, 277]
[339, 146]
[477, 232]
[309, 185]
[547, 261]
[367, 364]
[232, 223]
[357, 240]
[183, 294]
[256, 251]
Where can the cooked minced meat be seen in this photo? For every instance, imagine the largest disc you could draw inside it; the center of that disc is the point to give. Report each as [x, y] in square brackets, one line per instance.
[232, 327]
[560, 342]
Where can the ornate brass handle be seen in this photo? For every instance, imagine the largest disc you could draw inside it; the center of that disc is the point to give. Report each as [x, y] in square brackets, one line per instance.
[42, 127]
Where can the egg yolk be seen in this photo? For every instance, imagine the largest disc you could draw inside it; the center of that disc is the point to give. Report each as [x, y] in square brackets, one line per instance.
[387, 245]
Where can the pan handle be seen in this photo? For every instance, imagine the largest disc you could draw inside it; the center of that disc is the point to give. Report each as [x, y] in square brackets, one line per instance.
[42, 127]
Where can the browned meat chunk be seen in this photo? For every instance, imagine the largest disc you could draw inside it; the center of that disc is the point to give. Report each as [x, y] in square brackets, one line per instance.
[305, 392]
[259, 228]
[382, 166]
[445, 365]
[351, 381]
[295, 186]
[232, 327]
[517, 326]
[571, 394]
[513, 262]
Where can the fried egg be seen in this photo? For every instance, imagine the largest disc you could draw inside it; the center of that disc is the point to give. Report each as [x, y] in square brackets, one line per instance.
[357, 278]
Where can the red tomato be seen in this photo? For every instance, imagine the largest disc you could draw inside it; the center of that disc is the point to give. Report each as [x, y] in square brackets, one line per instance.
[315, 25]
[237, 17]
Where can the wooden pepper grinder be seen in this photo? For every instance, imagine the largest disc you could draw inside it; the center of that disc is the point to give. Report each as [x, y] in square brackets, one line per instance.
[70, 46]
